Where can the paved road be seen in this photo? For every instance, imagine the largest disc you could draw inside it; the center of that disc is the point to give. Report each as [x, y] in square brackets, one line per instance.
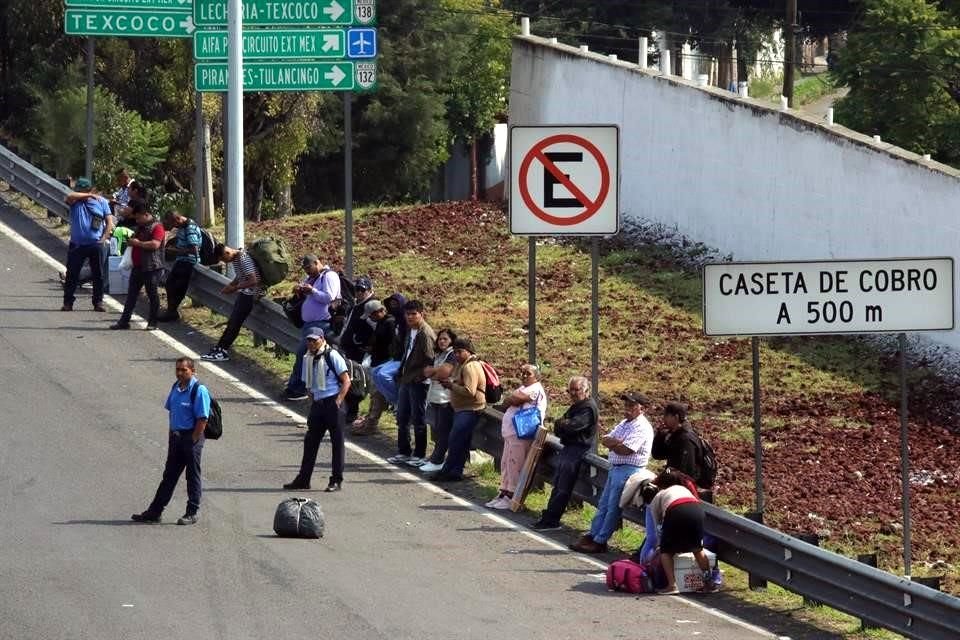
[81, 448]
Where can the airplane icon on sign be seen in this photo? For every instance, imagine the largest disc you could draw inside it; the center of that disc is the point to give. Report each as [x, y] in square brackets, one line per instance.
[362, 43]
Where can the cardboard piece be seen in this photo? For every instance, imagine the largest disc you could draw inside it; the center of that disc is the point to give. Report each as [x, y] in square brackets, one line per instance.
[529, 471]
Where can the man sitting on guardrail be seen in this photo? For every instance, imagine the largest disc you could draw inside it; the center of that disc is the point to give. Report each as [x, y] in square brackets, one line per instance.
[576, 430]
[91, 224]
[629, 444]
[186, 248]
[247, 283]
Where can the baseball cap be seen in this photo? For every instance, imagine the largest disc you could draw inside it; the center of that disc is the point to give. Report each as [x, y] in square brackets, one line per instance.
[635, 397]
[83, 184]
[372, 306]
[363, 283]
[316, 334]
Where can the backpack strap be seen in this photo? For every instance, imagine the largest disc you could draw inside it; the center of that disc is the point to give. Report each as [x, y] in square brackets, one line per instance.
[326, 355]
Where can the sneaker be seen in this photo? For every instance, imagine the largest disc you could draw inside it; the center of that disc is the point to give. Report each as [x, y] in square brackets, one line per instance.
[187, 518]
[147, 517]
[99, 308]
[168, 317]
[540, 525]
[430, 467]
[504, 503]
[398, 459]
[415, 462]
[490, 504]
[333, 487]
[295, 396]
[296, 485]
[216, 355]
[122, 326]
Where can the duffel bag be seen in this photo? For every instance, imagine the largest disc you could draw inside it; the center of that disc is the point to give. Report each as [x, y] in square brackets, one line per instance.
[298, 518]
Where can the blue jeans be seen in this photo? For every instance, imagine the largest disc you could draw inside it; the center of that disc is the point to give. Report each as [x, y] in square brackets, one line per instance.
[650, 543]
[295, 383]
[607, 519]
[412, 409]
[461, 435]
[182, 454]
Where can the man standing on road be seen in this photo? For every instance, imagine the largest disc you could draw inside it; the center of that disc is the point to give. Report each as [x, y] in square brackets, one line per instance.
[319, 289]
[186, 248]
[325, 376]
[575, 430]
[247, 283]
[147, 245]
[189, 407]
[417, 353]
[629, 444]
[91, 225]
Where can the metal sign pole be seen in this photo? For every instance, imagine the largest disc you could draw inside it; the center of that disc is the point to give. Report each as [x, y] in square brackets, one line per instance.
[532, 300]
[235, 123]
[595, 316]
[348, 184]
[904, 454]
[198, 168]
[757, 445]
[88, 159]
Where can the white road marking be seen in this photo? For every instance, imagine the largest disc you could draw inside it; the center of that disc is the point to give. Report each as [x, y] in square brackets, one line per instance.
[263, 400]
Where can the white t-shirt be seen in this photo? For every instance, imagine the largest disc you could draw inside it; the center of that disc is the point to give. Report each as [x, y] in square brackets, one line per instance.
[538, 396]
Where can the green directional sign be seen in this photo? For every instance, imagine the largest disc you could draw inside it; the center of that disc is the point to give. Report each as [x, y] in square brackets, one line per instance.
[118, 22]
[260, 13]
[289, 76]
[273, 44]
[182, 5]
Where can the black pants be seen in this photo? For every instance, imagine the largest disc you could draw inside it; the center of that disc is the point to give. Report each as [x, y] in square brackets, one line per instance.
[324, 416]
[138, 280]
[440, 417]
[564, 479]
[241, 309]
[76, 256]
[178, 281]
[182, 454]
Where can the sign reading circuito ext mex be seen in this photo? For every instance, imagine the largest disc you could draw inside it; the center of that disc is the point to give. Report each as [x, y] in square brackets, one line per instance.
[273, 44]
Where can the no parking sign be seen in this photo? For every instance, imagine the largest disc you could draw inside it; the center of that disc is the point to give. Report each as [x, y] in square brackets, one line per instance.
[564, 180]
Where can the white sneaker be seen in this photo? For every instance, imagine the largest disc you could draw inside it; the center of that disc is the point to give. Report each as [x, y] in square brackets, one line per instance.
[429, 467]
[216, 355]
[398, 459]
[415, 462]
[490, 505]
[504, 504]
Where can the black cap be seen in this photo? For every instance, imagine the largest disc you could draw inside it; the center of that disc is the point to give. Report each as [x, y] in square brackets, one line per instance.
[635, 397]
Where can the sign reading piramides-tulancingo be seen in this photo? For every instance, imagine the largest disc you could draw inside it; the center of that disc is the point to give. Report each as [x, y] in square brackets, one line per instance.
[829, 296]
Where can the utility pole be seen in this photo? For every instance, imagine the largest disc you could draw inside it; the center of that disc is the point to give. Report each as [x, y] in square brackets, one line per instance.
[790, 50]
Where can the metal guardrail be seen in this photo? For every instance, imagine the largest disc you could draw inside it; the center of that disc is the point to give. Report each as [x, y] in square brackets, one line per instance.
[880, 598]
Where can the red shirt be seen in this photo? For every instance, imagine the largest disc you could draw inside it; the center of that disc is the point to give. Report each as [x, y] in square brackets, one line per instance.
[158, 234]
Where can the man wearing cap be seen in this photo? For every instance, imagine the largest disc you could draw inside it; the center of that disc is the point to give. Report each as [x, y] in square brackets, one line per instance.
[147, 243]
[91, 224]
[384, 333]
[186, 248]
[356, 334]
[319, 288]
[325, 376]
[629, 444]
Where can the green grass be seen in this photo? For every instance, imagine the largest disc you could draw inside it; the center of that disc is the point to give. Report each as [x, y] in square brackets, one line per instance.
[807, 88]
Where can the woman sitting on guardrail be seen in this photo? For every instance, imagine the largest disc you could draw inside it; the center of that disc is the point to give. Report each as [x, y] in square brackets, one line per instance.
[528, 395]
[679, 516]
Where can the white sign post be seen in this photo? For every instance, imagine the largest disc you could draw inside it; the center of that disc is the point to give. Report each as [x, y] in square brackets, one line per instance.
[831, 297]
[565, 181]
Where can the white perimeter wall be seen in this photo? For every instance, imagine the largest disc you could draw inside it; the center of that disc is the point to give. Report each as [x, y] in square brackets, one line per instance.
[741, 176]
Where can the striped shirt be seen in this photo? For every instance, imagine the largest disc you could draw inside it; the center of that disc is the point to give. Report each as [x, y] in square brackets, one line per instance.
[188, 237]
[245, 266]
[636, 435]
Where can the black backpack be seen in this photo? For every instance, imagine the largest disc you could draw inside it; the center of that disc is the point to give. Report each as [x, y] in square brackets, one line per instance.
[359, 379]
[343, 305]
[207, 243]
[214, 428]
[706, 462]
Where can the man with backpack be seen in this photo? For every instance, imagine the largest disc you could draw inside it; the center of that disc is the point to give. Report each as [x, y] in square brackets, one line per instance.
[683, 448]
[416, 353]
[318, 290]
[189, 407]
[326, 378]
[248, 283]
[355, 337]
[186, 247]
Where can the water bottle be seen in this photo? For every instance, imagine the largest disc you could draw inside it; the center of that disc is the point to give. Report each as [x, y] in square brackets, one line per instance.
[114, 246]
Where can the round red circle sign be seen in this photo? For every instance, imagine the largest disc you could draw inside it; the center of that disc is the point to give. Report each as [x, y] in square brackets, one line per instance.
[590, 206]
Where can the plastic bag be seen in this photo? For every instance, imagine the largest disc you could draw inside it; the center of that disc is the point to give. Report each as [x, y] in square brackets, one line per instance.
[299, 518]
[126, 262]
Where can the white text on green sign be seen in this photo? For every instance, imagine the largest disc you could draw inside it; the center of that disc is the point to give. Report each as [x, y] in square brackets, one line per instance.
[273, 44]
[110, 22]
[278, 76]
[177, 5]
[212, 13]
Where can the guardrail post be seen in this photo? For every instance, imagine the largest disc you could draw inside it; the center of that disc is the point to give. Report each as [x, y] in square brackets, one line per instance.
[259, 340]
[929, 581]
[869, 559]
[755, 583]
[814, 539]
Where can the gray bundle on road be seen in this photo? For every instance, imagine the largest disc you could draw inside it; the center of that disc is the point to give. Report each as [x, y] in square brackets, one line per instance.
[298, 518]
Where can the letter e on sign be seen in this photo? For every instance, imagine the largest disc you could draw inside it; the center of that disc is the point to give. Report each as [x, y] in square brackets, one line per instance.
[564, 180]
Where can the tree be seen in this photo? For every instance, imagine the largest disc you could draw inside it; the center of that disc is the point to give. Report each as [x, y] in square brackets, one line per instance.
[901, 64]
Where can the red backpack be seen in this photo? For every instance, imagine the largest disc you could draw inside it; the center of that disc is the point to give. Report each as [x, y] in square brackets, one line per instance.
[629, 576]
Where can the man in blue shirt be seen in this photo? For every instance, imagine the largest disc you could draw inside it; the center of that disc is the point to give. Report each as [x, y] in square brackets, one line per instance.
[326, 378]
[186, 248]
[189, 407]
[91, 225]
